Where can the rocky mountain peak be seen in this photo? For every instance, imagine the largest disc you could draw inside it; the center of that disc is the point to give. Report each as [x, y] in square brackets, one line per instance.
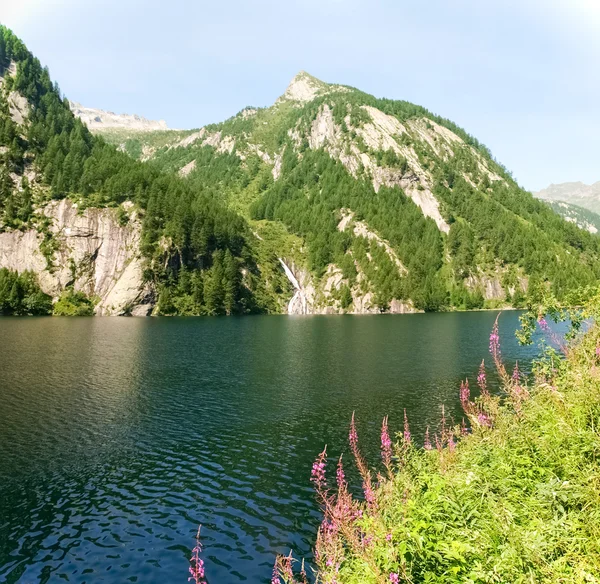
[304, 88]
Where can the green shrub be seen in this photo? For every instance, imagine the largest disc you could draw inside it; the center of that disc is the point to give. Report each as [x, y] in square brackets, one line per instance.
[20, 294]
[73, 303]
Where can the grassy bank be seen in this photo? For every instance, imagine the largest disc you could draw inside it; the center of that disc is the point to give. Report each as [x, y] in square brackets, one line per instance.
[515, 498]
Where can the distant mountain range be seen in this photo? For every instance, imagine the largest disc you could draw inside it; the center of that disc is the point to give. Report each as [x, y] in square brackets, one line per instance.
[575, 193]
[100, 120]
[576, 202]
[328, 201]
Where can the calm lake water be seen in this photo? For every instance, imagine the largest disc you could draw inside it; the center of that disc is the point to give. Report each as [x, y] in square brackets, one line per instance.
[119, 436]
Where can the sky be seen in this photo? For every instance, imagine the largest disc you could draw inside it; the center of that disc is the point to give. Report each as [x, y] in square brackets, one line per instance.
[522, 76]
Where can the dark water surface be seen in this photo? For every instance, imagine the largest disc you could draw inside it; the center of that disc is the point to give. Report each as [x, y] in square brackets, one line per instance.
[119, 436]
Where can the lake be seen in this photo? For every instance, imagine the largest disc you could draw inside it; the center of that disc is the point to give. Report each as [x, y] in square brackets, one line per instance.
[118, 436]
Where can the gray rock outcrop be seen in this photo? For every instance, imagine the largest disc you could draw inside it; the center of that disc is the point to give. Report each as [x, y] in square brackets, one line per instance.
[91, 251]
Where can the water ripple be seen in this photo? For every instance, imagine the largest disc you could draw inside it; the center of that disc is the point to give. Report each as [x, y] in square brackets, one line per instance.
[119, 436]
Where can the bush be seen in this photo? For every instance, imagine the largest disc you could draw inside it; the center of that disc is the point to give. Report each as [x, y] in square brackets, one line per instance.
[20, 294]
[73, 303]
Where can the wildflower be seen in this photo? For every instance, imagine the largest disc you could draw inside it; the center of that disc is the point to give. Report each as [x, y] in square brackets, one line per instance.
[303, 574]
[544, 325]
[340, 476]
[483, 419]
[285, 568]
[318, 472]
[394, 578]
[363, 469]
[353, 436]
[388, 537]
[407, 438]
[427, 443]
[463, 428]
[516, 376]
[369, 494]
[196, 564]
[495, 351]
[386, 444]
[465, 394]
[275, 576]
[451, 443]
[597, 352]
[482, 380]
[495, 341]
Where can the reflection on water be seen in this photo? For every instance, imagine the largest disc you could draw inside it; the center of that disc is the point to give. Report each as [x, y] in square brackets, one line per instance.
[119, 436]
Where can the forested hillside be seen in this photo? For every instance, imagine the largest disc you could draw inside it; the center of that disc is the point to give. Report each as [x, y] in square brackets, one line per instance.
[583, 218]
[331, 200]
[192, 243]
[392, 206]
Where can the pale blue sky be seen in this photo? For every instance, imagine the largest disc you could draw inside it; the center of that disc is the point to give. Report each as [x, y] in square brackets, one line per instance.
[522, 76]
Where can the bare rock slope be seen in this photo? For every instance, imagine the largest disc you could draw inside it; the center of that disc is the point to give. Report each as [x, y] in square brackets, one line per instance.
[92, 252]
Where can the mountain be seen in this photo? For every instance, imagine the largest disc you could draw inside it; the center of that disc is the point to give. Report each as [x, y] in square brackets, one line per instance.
[330, 200]
[574, 193]
[99, 228]
[583, 218]
[100, 120]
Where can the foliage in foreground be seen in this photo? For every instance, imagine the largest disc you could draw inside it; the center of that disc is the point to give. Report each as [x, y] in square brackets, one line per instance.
[516, 498]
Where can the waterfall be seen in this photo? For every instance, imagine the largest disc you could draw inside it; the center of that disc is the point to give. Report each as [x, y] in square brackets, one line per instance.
[299, 294]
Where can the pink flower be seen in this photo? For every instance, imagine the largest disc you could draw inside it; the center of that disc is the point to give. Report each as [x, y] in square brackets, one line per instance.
[340, 476]
[369, 494]
[483, 419]
[481, 379]
[394, 578]
[516, 376]
[495, 351]
[275, 577]
[495, 341]
[388, 537]
[386, 443]
[318, 471]
[465, 394]
[196, 564]
[427, 443]
[353, 436]
[451, 443]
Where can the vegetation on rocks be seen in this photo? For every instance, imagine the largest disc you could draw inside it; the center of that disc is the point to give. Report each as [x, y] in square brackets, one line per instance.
[73, 303]
[185, 229]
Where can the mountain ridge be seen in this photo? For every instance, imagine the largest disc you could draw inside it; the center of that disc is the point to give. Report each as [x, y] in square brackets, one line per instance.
[99, 120]
[329, 200]
[576, 193]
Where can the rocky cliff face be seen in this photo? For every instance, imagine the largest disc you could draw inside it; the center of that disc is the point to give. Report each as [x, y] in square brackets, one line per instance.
[88, 250]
